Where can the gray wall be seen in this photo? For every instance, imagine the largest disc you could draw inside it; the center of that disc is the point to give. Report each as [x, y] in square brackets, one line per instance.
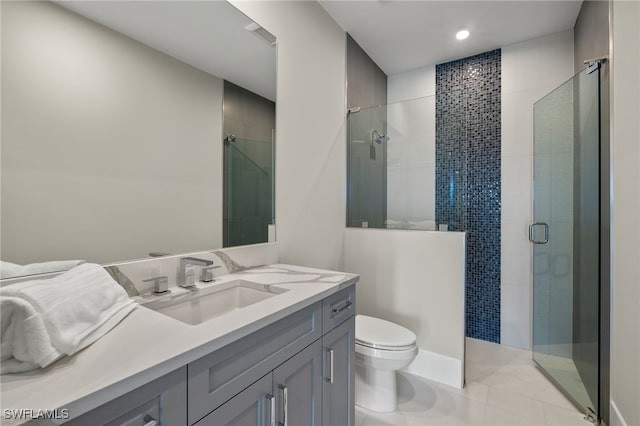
[591, 242]
[310, 119]
[366, 82]
[110, 149]
[367, 180]
[591, 32]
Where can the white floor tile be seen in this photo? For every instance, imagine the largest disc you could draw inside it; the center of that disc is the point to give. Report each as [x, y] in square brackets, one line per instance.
[563, 417]
[472, 390]
[498, 416]
[504, 387]
[522, 406]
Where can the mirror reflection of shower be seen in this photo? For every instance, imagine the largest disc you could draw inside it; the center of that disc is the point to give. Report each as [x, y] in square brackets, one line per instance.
[378, 138]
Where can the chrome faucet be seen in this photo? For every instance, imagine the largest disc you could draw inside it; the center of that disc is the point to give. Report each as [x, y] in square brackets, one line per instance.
[207, 275]
[187, 275]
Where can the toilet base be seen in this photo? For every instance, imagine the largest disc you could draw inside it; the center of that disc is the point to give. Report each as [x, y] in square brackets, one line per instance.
[376, 389]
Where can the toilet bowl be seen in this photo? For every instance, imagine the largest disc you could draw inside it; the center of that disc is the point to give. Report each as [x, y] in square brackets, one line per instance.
[382, 348]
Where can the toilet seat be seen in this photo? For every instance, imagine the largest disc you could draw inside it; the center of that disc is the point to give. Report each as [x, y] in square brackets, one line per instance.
[370, 355]
[383, 347]
[376, 333]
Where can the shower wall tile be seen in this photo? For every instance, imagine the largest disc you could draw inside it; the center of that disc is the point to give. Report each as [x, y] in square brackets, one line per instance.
[517, 175]
[468, 178]
[411, 152]
[397, 199]
[514, 323]
[516, 255]
[421, 179]
[412, 84]
[524, 82]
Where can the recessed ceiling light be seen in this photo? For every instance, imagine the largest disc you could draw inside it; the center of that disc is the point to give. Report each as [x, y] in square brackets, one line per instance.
[461, 35]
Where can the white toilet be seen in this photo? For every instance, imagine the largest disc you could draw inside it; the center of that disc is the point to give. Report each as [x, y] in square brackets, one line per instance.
[382, 347]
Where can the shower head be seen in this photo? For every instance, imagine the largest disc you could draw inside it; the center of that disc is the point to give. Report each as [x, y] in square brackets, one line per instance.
[382, 139]
[379, 138]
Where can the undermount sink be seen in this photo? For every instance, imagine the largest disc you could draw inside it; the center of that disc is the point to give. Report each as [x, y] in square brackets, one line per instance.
[203, 304]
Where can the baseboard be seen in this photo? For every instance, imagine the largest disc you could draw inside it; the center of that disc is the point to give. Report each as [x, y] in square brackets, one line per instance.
[439, 368]
[615, 417]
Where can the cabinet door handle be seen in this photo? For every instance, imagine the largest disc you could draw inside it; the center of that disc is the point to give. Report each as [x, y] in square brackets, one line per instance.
[149, 421]
[341, 309]
[272, 408]
[330, 378]
[285, 405]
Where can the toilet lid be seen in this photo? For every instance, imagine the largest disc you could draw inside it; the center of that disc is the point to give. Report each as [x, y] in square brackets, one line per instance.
[381, 334]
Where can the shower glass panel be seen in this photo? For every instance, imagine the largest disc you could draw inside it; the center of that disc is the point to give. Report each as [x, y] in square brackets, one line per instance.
[391, 166]
[248, 191]
[565, 234]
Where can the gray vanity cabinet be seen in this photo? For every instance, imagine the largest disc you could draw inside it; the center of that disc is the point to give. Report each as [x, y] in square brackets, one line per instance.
[254, 406]
[338, 386]
[297, 385]
[297, 371]
[309, 356]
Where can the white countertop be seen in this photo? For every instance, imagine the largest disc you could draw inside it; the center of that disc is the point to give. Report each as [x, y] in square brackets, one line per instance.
[147, 345]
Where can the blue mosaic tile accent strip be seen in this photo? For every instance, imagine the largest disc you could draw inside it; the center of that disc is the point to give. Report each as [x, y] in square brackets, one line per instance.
[468, 178]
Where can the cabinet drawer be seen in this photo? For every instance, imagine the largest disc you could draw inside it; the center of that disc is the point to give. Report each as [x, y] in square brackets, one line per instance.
[217, 377]
[164, 401]
[338, 308]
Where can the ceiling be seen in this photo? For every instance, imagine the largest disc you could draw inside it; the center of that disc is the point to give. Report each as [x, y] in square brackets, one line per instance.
[209, 35]
[404, 35]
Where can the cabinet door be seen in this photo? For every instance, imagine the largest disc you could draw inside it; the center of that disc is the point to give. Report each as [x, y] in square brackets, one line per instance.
[254, 406]
[297, 385]
[160, 402]
[339, 364]
[217, 377]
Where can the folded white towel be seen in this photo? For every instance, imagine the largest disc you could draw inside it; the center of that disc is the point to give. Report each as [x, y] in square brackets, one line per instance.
[10, 270]
[32, 348]
[423, 225]
[45, 319]
[395, 224]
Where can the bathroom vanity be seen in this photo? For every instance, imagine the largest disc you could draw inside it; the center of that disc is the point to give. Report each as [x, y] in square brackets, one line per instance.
[286, 360]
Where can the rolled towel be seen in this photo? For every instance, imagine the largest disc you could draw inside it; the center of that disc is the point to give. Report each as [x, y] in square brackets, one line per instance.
[10, 270]
[74, 309]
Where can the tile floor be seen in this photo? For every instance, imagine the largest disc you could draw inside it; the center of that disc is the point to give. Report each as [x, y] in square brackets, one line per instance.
[503, 388]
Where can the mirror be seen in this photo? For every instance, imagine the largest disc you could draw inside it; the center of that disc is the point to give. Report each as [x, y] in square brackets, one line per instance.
[112, 125]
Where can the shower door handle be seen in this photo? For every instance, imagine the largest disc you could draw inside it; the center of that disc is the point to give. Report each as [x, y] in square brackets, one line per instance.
[546, 232]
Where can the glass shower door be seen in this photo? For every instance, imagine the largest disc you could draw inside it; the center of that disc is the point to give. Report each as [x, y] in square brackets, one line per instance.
[565, 234]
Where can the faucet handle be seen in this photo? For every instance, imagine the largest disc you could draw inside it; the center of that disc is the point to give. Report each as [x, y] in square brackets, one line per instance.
[161, 284]
[207, 275]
